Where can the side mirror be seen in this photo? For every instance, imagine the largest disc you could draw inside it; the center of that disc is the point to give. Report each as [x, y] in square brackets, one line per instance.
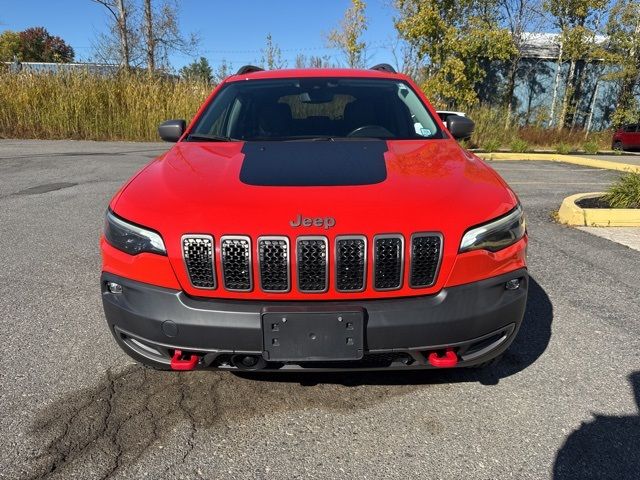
[460, 127]
[172, 130]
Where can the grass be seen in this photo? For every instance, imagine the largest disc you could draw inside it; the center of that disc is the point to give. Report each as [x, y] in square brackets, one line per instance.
[130, 106]
[490, 129]
[127, 106]
[519, 146]
[625, 193]
[491, 145]
[591, 147]
[563, 148]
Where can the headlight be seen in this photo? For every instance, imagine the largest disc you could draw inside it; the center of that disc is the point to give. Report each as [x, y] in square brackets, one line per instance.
[496, 234]
[131, 238]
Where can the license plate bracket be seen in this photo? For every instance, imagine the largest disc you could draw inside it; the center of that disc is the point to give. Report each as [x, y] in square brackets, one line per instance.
[301, 334]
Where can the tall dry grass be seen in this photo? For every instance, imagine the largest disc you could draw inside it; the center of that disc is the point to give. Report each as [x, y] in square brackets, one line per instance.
[130, 106]
[491, 134]
[80, 105]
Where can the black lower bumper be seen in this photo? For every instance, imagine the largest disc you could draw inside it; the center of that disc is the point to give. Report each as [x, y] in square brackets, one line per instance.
[478, 320]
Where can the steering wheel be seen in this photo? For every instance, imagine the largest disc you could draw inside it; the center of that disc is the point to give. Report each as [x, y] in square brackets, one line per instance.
[370, 131]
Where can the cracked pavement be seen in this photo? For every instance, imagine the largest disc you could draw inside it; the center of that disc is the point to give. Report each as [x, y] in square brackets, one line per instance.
[563, 404]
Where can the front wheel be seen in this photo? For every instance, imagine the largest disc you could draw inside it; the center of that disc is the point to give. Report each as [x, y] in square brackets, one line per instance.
[618, 146]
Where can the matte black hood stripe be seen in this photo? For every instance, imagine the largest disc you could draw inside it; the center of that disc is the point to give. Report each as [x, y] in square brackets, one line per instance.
[314, 163]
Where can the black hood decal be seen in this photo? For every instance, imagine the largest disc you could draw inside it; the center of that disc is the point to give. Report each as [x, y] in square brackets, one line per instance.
[314, 163]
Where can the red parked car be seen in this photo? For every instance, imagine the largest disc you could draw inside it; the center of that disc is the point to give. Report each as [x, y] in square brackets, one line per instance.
[626, 138]
[315, 220]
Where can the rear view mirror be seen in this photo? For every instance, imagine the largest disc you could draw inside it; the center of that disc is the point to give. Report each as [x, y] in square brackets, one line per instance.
[172, 130]
[460, 127]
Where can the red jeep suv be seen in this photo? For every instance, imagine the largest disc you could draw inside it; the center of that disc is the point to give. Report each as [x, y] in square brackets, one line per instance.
[313, 220]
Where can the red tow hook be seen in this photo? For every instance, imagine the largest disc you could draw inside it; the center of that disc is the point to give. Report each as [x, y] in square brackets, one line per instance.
[188, 363]
[448, 360]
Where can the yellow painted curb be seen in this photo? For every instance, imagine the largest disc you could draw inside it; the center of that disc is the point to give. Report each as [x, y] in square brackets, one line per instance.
[572, 214]
[556, 157]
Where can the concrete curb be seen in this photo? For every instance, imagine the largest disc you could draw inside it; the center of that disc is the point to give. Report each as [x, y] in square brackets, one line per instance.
[556, 157]
[572, 214]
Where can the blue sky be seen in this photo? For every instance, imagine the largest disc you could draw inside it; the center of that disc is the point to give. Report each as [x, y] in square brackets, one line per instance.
[231, 30]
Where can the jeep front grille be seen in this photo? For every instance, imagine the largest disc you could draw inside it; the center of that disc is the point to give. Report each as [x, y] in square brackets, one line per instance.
[235, 253]
[351, 263]
[311, 256]
[197, 251]
[346, 261]
[426, 249]
[273, 262]
[388, 262]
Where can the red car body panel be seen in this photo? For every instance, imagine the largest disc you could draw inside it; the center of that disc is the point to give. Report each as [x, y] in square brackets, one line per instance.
[195, 188]
[628, 136]
[431, 186]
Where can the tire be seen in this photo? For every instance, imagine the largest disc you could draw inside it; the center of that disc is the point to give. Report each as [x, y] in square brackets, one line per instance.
[618, 146]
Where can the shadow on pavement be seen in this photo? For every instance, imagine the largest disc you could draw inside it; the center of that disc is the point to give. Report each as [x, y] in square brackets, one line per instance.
[108, 427]
[606, 447]
[530, 343]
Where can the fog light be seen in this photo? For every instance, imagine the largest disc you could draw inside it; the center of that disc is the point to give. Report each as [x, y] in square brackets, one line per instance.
[513, 284]
[114, 287]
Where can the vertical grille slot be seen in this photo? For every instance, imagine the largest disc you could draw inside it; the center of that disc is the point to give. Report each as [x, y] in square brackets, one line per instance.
[197, 251]
[235, 253]
[388, 262]
[273, 260]
[426, 251]
[351, 263]
[313, 271]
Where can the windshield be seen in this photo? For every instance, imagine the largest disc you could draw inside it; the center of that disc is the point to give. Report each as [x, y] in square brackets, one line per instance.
[315, 108]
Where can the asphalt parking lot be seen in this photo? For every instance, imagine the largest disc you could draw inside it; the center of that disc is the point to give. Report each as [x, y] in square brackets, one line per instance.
[563, 404]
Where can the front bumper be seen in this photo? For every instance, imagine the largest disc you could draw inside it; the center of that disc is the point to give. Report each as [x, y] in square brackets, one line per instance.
[478, 320]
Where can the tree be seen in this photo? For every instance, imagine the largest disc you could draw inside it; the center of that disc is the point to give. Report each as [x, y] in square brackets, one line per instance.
[347, 38]
[407, 60]
[578, 22]
[272, 55]
[519, 16]
[162, 35]
[623, 31]
[34, 44]
[38, 45]
[456, 40]
[313, 61]
[223, 70]
[121, 36]
[199, 70]
[9, 46]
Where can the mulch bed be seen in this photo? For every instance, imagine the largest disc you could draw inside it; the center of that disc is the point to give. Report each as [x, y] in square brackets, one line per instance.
[597, 202]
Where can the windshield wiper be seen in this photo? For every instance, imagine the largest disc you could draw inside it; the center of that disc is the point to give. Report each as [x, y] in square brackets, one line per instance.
[312, 138]
[203, 137]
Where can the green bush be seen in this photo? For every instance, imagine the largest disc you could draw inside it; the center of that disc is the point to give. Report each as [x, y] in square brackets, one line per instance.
[591, 147]
[625, 193]
[491, 145]
[519, 146]
[563, 148]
